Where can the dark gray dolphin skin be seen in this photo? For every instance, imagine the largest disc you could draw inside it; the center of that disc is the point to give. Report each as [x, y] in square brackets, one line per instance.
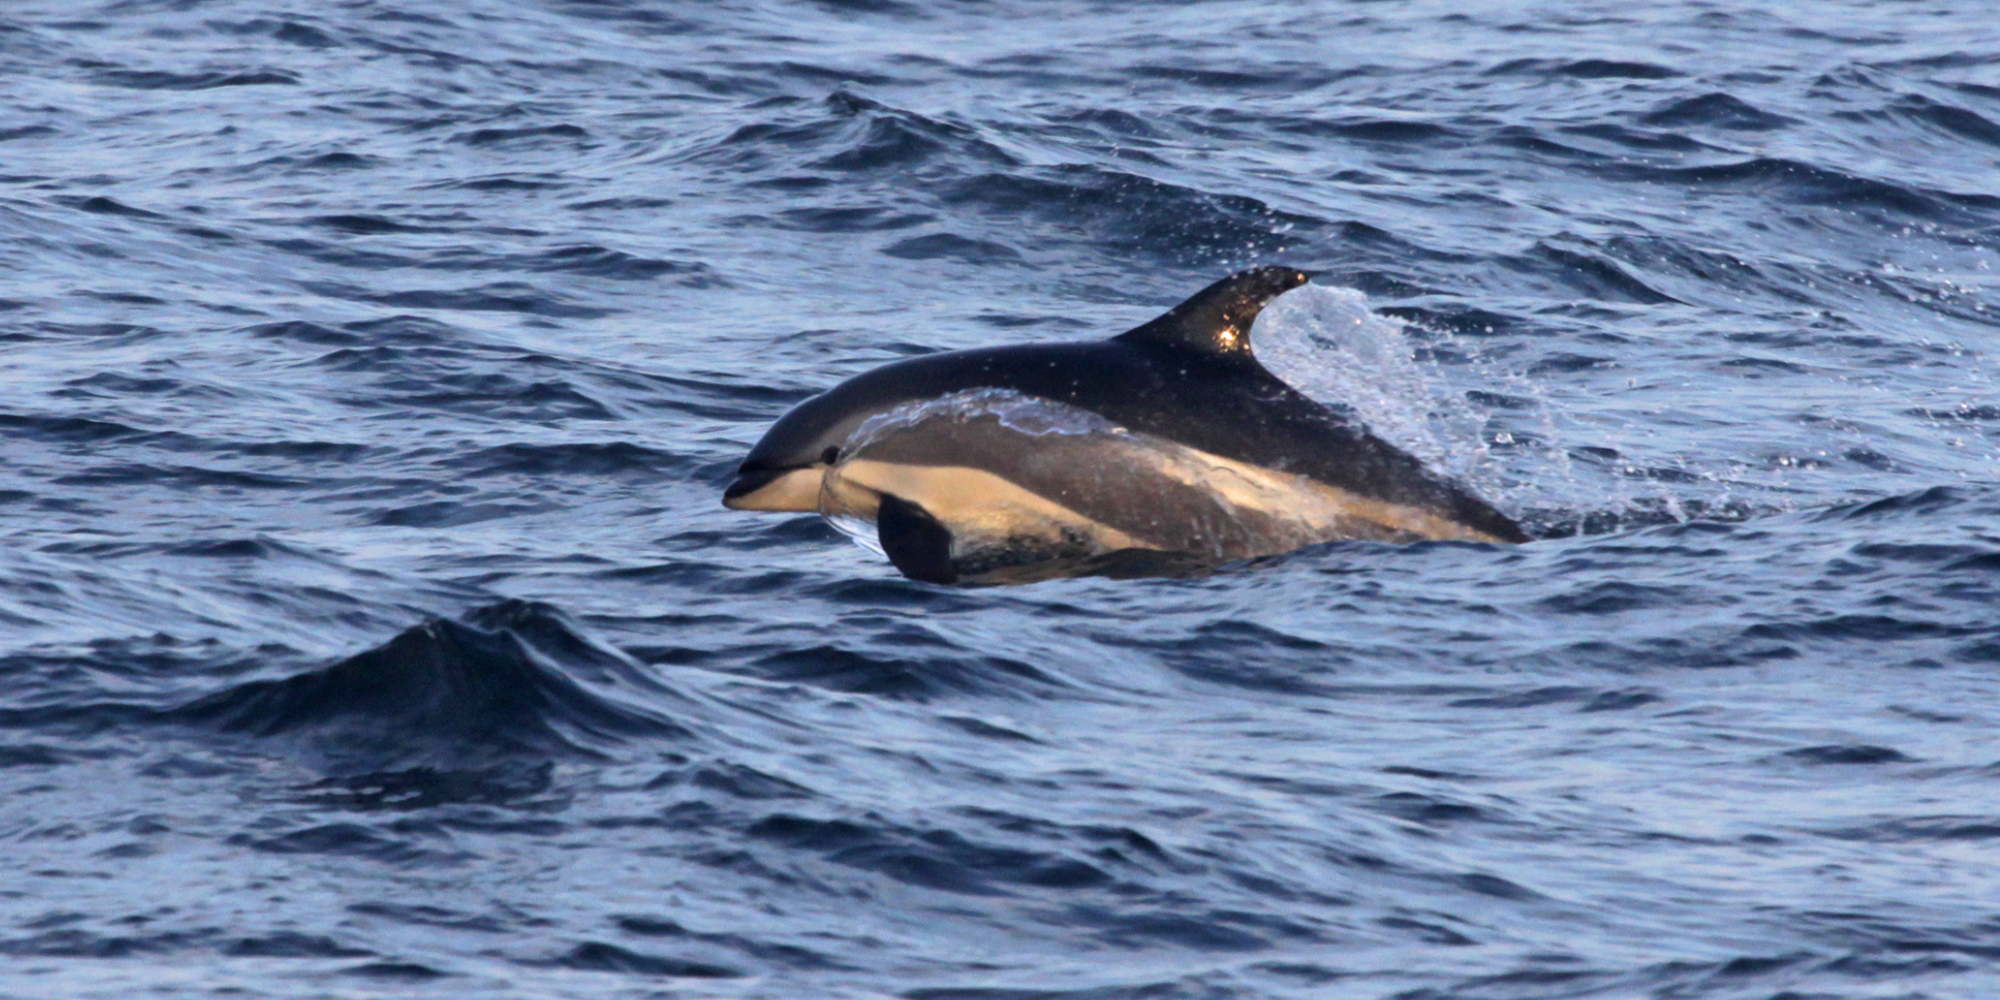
[1188, 377]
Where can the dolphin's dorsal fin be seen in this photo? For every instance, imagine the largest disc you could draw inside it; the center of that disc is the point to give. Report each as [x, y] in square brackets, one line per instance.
[1216, 320]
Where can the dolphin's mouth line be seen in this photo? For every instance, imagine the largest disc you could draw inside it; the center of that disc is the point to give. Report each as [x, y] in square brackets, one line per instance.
[791, 488]
[750, 482]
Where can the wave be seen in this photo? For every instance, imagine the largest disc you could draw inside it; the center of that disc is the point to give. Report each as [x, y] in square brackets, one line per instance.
[1810, 184]
[848, 133]
[137, 79]
[1717, 110]
[1136, 214]
[594, 459]
[942, 859]
[511, 678]
[494, 296]
[907, 677]
[1586, 69]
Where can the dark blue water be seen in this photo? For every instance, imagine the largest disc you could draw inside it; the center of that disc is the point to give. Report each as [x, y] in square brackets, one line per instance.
[369, 623]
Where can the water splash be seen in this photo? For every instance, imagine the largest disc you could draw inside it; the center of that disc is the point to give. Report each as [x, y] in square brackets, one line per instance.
[1326, 343]
[1023, 414]
[1556, 475]
[1329, 344]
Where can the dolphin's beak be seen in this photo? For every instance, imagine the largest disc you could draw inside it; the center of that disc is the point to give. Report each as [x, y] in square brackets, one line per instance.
[791, 489]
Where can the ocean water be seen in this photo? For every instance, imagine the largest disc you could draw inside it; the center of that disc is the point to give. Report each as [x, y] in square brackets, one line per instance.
[370, 625]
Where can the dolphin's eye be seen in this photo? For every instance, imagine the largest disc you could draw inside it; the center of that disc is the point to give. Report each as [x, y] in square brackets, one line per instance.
[831, 453]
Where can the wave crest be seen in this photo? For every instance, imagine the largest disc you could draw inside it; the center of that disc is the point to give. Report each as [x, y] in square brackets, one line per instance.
[517, 677]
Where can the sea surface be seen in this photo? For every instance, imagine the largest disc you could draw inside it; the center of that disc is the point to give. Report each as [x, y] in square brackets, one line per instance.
[370, 371]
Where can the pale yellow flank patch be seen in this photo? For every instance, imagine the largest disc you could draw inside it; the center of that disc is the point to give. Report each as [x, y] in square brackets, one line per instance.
[972, 503]
[797, 490]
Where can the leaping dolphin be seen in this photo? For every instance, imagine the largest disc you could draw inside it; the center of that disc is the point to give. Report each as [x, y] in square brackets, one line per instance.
[1176, 440]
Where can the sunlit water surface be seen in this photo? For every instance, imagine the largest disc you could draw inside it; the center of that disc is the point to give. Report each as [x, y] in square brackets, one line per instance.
[370, 625]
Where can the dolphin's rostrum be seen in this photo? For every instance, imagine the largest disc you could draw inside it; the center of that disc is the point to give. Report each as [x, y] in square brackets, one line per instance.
[1169, 438]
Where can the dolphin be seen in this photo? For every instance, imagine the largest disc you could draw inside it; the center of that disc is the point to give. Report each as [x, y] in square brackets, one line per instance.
[1169, 438]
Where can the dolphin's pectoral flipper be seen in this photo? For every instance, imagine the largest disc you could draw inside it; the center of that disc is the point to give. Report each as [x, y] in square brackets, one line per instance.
[918, 544]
